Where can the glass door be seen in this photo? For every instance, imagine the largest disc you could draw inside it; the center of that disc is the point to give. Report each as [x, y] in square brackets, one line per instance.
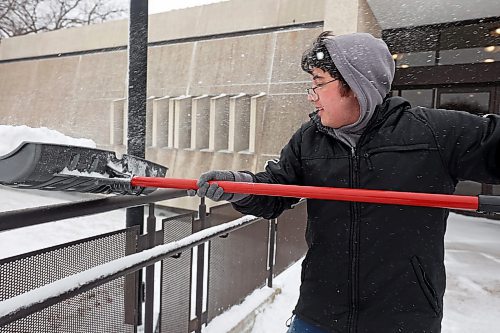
[477, 100]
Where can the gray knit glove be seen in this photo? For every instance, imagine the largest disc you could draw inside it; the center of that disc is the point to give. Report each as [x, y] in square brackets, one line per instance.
[216, 193]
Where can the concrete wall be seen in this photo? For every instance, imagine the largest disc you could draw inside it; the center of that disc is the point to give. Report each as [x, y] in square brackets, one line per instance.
[266, 64]
[346, 16]
[222, 17]
[70, 94]
[75, 94]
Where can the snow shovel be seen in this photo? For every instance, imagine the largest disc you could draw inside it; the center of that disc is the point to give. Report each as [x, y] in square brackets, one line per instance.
[69, 168]
[58, 167]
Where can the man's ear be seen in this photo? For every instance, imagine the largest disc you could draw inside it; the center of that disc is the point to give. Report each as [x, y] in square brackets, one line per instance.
[349, 94]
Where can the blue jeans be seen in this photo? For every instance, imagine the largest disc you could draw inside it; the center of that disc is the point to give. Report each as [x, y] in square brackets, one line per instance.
[300, 326]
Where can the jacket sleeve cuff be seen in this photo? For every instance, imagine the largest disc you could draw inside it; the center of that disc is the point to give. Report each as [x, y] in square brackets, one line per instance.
[242, 177]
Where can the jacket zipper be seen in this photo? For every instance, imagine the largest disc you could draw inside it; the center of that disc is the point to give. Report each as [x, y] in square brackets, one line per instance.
[352, 325]
[353, 246]
[354, 234]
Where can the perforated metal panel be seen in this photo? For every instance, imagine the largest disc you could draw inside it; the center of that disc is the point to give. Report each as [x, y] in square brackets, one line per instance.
[290, 237]
[237, 266]
[98, 310]
[176, 278]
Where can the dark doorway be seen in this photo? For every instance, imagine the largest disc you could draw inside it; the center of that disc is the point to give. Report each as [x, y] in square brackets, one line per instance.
[477, 100]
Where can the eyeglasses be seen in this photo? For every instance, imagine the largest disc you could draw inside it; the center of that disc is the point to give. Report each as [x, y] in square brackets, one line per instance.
[311, 92]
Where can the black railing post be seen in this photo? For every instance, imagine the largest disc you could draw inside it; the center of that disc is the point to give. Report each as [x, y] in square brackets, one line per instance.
[200, 264]
[150, 273]
[137, 77]
[272, 240]
[137, 92]
[135, 217]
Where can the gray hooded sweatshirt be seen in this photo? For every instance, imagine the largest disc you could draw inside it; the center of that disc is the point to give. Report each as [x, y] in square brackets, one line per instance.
[368, 68]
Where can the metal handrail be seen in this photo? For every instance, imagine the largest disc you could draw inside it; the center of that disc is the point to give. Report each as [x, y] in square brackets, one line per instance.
[32, 216]
[38, 299]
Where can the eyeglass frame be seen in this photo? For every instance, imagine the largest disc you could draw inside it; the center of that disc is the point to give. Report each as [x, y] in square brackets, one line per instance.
[311, 92]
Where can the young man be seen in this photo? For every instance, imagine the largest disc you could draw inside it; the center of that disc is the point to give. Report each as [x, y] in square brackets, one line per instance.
[370, 267]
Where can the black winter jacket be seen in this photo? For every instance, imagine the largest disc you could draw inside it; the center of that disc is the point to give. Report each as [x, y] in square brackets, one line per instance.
[374, 267]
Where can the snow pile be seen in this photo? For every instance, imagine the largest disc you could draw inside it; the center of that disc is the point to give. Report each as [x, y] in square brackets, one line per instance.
[13, 136]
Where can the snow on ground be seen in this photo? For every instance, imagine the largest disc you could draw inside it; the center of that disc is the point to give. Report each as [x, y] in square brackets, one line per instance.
[274, 317]
[472, 299]
[28, 239]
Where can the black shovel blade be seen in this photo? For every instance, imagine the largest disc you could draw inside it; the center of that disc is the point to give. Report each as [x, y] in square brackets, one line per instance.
[56, 167]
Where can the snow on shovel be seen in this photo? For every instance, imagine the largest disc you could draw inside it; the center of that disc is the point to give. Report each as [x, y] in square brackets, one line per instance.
[56, 167]
[68, 168]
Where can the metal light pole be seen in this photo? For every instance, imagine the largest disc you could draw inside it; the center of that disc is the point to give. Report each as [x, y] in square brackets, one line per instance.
[137, 90]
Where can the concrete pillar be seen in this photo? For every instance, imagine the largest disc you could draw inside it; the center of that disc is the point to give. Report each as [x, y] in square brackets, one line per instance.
[182, 122]
[219, 123]
[117, 119]
[170, 122]
[257, 104]
[149, 121]
[200, 123]
[347, 16]
[239, 123]
[160, 122]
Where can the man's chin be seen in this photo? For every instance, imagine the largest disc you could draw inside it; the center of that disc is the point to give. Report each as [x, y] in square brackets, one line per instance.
[324, 123]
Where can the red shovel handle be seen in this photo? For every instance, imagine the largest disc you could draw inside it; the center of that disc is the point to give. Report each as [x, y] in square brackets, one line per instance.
[324, 193]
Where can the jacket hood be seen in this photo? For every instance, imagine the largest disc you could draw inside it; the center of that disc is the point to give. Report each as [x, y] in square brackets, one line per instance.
[366, 64]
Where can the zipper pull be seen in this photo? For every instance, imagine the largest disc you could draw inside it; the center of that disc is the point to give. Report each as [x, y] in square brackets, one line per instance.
[368, 161]
[354, 159]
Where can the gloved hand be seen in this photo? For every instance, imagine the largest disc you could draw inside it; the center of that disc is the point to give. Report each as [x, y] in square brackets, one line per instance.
[214, 191]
